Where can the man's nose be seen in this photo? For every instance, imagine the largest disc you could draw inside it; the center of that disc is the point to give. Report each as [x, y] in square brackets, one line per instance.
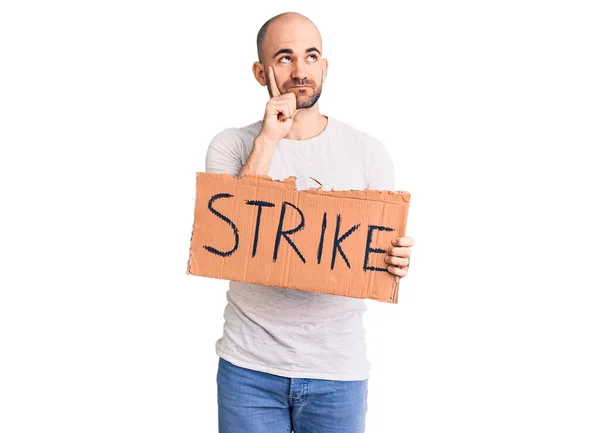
[299, 72]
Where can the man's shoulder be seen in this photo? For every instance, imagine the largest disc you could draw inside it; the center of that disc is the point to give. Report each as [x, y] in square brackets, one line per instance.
[243, 133]
[251, 130]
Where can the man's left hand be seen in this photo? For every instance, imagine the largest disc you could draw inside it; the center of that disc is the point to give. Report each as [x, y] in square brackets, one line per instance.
[398, 257]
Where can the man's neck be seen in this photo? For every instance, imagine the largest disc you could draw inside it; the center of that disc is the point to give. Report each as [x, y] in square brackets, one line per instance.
[308, 123]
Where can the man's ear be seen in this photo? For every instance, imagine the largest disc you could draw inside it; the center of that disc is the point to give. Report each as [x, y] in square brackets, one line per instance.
[325, 67]
[259, 73]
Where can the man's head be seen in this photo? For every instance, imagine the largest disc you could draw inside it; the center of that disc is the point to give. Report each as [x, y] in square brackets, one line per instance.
[291, 44]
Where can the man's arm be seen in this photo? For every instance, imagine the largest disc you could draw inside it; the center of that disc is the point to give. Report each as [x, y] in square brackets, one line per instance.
[225, 155]
[277, 122]
[259, 160]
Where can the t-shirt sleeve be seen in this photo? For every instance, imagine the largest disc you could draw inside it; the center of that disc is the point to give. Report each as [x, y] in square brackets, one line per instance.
[380, 169]
[224, 154]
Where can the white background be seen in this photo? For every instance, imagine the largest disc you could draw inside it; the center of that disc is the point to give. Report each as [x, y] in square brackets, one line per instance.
[491, 112]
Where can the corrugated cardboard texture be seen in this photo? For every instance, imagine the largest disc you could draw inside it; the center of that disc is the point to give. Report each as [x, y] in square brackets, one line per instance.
[319, 241]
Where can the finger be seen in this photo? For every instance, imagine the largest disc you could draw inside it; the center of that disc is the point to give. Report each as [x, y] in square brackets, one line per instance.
[286, 98]
[295, 105]
[405, 241]
[399, 251]
[274, 88]
[396, 261]
[399, 272]
[286, 112]
[275, 109]
[292, 106]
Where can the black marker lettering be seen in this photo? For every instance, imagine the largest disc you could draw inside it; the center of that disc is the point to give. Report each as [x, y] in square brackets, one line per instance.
[337, 241]
[260, 205]
[228, 221]
[368, 248]
[285, 234]
[323, 227]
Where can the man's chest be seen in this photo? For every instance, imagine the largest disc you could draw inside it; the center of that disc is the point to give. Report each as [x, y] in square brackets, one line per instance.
[332, 170]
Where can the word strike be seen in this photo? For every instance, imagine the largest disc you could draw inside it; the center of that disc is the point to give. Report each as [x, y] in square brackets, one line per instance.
[286, 234]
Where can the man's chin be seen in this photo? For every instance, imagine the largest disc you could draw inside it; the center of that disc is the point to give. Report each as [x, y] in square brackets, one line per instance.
[305, 101]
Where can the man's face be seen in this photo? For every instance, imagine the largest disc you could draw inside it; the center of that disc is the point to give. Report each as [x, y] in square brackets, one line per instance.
[293, 48]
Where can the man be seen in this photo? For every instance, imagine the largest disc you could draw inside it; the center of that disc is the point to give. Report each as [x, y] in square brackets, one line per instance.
[290, 359]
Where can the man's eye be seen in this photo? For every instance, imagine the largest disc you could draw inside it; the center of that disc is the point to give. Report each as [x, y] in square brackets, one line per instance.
[285, 57]
[314, 56]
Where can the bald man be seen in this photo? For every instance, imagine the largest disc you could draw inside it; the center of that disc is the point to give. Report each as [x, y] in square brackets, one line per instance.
[291, 360]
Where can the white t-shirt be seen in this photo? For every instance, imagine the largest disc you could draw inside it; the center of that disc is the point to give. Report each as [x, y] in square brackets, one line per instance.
[294, 333]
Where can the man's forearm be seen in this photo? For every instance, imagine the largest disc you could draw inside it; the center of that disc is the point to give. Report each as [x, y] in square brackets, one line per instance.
[259, 160]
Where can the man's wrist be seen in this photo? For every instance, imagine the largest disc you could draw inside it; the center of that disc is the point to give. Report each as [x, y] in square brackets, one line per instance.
[259, 160]
[262, 143]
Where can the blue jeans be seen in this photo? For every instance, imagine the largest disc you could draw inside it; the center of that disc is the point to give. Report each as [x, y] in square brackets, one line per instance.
[254, 402]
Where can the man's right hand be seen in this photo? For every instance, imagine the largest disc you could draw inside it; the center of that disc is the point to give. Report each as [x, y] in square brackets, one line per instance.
[277, 123]
[279, 113]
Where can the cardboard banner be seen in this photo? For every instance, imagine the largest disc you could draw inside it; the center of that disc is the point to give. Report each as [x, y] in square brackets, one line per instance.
[262, 231]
